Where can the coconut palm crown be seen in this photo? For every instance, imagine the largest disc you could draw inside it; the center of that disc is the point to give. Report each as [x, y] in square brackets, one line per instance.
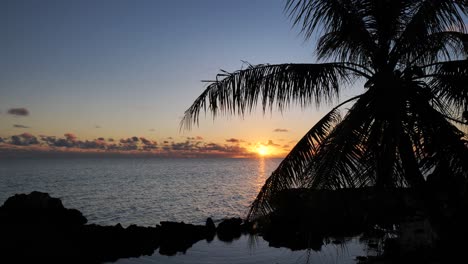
[402, 131]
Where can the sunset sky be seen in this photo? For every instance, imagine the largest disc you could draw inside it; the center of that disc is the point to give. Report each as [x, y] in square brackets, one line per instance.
[117, 76]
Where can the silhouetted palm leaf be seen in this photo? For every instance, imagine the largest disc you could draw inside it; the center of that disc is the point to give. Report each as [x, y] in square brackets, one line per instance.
[449, 83]
[238, 92]
[412, 55]
[292, 171]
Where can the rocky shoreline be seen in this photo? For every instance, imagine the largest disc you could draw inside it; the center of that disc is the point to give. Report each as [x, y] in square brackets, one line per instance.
[38, 228]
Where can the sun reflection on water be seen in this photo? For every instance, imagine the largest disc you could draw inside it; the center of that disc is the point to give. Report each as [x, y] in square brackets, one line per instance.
[261, 174]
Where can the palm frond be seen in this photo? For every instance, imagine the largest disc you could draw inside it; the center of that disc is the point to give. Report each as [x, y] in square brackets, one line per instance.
[424, 19]
[343, 24]
[343, 161]
[440, 46]
[344, 45]
[291, 172]
[274, 85]
[449, 84]
[444, 150]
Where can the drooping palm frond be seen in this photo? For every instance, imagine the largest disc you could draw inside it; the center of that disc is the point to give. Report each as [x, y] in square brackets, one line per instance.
[425, 18]
[443, 151]
[449, 84]
[447, 46]
[273, 85]
[291, 171]
[340, 160]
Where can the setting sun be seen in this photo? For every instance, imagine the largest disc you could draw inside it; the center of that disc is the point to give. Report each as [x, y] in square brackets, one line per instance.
[263, 151]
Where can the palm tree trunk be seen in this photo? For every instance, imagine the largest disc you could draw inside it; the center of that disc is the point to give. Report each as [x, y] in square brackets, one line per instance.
[413, 175]
[386, 158]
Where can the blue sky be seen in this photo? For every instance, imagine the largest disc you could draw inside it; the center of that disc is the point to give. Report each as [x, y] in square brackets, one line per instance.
[116, 68]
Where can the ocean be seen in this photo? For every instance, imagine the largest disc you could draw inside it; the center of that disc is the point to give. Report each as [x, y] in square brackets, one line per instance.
[145, 191]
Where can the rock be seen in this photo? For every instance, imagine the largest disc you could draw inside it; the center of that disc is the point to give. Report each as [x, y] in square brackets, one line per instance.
[211, 229]
[210, 224]
[178, 237]
[33, 201]
[229, 229]
[38, 228]
[38, 208]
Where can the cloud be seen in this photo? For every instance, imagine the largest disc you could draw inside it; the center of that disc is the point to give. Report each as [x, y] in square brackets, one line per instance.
[18, 111]
[197, 138]
[145, 141]
[187, 145]
[70, 136]
[148, 144]
[24, 139]
[126, 140]
[281, 130]
[51, 141]
[27, 135]
[94, 144]
[233, 140]
[152, 129]
[97, 126]
[20, 126]
[70, 143]
[271, 143]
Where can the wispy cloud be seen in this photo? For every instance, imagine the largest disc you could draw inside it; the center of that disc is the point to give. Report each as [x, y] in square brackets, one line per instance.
[271, 143]
[233, 140]
[282, 130]
[20, 126]
[18, 111]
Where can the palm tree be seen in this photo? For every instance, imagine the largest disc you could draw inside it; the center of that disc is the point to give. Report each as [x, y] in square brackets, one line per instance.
[403, 130]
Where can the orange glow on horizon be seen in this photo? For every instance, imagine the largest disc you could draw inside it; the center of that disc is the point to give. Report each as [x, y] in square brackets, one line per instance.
[263, 151]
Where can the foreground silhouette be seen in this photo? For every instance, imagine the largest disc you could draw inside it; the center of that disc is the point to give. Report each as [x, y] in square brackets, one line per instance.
[400, 132]
[400, 139]
[39, 229]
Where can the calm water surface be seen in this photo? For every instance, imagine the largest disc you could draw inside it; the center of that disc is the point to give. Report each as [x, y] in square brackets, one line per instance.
[145, 191]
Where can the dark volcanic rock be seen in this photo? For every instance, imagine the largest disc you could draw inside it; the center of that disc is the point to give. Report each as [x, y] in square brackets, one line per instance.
[178, 237]
[229, 229]
[38, 208]
[210, 224]
[38, 228]
[211, 229]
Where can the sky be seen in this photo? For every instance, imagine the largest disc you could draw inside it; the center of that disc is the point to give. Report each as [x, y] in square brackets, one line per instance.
[117, 75]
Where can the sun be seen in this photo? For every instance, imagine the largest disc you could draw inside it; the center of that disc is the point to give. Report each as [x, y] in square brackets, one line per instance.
[263, 151]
